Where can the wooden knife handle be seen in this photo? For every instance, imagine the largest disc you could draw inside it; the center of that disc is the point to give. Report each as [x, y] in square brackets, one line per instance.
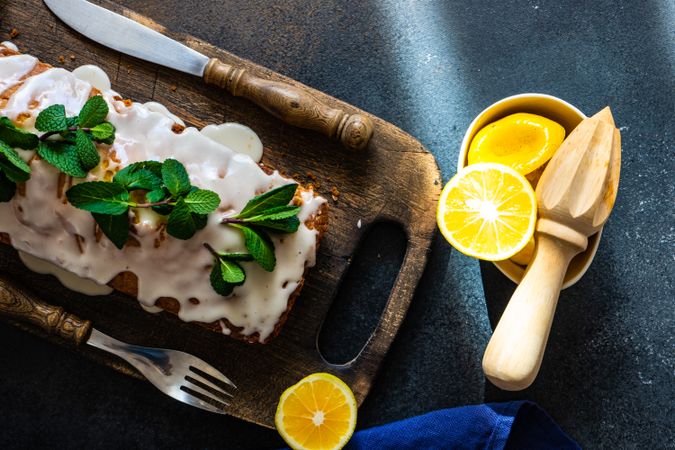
[515, 351]
[291, 104]
[19, 305]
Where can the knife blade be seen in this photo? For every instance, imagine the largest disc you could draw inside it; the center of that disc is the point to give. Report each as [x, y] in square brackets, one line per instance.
[294, 105]
[127, 36]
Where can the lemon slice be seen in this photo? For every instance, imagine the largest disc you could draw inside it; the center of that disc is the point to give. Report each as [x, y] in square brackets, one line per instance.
[487, 211]
[319, 412]
[521, 141]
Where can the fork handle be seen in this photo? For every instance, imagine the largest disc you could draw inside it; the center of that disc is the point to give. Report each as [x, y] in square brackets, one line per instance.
[24, 307]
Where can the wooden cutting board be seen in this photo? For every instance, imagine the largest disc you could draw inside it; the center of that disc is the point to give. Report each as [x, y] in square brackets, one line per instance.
[395, 179]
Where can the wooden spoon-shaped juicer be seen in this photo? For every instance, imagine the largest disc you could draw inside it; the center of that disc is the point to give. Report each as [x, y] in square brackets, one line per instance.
[575, 195]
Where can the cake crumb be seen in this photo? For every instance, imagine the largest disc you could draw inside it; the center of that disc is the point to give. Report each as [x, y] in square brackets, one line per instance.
[62, 59]
[334, 193]
[72, 57]
[22, 117]
[311, 176]
[13, 33]
[173, 88]
[358, 224]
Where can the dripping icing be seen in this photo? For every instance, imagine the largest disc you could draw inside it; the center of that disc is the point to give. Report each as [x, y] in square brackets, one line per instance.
[68, 279]
[41, 225]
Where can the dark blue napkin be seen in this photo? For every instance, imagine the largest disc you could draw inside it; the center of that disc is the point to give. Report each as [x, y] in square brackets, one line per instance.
[512, 425]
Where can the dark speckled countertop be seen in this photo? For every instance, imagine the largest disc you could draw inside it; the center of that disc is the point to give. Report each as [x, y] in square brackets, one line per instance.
[429, 67]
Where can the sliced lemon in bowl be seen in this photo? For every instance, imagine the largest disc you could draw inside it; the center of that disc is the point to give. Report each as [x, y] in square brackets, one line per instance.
[487, 211]
[319, 412]
[522, 141]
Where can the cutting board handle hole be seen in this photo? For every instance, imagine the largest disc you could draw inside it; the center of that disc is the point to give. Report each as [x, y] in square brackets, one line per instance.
[363, 293]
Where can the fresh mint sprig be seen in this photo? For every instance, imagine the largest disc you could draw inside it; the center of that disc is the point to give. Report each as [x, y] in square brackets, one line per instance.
[270, 212]
[74, 152]
[167, 191]
[67, 143]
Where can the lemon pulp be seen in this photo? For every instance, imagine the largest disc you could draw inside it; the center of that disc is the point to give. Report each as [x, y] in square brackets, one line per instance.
[522, 141]
[487, 211]
[319, 412]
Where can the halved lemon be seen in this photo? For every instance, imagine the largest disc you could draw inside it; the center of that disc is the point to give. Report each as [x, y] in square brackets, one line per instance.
[487, 211]
[319, 412]
[522, 141]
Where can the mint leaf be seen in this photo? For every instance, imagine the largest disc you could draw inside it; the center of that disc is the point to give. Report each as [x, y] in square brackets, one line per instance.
[181, 223]
[232, 272]
[140, 176]
[93, 112]
[12, 165]
[16, 137]
[280, 196]
[202, 201]
[218, 283]
[72, 122]
[175, 177]
[115, 227]
[280, 212]
[156, 195]
[86, 151]
[260, 245]
[52, 118]
[200, 220]
[99, 197]
[288, 225]
[103, 132]
[63, 156]
[153, 166]
[236, 256]
[7, 188]
[11, 172]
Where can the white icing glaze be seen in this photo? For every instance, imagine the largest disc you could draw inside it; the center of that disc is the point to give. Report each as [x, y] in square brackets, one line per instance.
[151, 309]
[10, 45]
[68, 279]
[238, 137]
[161, 109]
[41, 91]
[15, 68]
[44, 226]
[93, 75]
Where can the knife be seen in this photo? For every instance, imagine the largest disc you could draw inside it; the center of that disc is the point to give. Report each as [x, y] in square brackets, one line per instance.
[291, 104]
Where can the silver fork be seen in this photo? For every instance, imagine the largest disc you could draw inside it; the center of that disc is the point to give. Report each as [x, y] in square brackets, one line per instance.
[178, 374]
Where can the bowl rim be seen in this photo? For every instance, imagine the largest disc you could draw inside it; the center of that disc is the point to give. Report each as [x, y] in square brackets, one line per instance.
[510, 269]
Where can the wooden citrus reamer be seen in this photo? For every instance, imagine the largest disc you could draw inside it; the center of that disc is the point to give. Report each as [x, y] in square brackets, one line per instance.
[575, 196]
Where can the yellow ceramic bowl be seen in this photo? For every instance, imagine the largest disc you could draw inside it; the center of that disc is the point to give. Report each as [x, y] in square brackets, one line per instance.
[566, 115]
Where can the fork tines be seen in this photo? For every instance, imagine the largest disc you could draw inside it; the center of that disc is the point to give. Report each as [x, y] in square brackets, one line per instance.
[205, 386]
